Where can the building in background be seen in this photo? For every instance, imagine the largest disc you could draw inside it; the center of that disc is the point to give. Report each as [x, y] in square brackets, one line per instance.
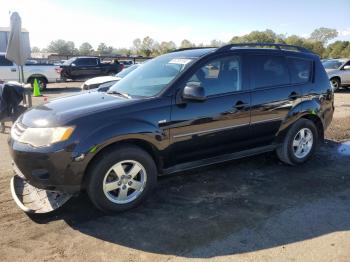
[4, 36]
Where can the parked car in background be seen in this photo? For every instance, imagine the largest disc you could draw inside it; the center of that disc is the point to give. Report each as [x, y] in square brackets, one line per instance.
[106, 81]
[127, 63]
[185, 109]
[44, 73]
[338, 71]
[78, 68]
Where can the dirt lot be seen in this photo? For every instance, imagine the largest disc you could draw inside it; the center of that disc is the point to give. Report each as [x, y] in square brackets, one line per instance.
[255, 209]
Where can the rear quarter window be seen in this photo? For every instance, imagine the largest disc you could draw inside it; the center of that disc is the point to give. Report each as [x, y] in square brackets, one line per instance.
[300, 70]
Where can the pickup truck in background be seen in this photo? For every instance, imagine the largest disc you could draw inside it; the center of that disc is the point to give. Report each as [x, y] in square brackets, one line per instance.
[85, 67]
[44, 73]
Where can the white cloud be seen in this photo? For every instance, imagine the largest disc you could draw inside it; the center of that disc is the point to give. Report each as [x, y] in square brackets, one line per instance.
[345, 32]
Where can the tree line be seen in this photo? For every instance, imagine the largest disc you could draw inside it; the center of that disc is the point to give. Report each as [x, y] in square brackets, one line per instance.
[316, 42]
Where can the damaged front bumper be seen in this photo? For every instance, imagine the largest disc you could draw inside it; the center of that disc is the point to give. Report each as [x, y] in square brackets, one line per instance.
[34, 200]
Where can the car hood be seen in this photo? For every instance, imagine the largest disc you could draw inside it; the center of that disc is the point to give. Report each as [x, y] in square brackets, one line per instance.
[101, 79]
[60, 111]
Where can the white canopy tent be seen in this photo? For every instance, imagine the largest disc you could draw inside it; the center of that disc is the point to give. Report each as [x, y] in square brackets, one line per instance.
[18, 49]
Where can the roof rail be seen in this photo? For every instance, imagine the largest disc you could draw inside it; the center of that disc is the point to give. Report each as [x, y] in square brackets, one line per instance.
[191, 48]
[277, 46]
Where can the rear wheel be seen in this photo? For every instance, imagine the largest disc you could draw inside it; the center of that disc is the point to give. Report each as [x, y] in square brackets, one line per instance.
[121, 179]
[299, 143]
[41, 81]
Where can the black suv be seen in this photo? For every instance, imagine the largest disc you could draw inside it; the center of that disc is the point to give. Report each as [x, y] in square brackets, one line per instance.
[85, 67]
[181, 110]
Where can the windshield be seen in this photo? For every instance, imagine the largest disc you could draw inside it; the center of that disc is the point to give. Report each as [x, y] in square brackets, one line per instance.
[333, 64]
[69, 61]
[126, 71]
[152, 77]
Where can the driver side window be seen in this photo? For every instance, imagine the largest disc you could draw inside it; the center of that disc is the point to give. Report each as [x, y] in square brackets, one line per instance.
[219, 76]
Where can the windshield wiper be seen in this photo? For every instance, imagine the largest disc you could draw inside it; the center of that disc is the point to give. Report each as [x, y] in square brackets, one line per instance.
[112, 92]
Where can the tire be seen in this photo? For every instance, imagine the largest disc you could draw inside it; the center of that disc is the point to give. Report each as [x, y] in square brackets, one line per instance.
[41, 81]
[335, 82]
[120, 194]
[288, 152]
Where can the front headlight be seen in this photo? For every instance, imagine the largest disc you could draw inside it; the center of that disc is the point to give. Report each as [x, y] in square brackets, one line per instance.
[42, 136]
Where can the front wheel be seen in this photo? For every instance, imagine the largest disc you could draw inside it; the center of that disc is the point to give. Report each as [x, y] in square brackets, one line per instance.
[42, 82]
[121, 178]
[299, 143]
[335, 82]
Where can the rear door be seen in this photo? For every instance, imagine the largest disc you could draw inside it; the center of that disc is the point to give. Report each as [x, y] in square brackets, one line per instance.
[85, 67]
[218, 125]
[273, 95]
[8, 70]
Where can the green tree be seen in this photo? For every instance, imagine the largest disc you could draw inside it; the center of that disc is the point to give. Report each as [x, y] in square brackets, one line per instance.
[35, 49]
[147, 46]
[137, 46]
[295, 40]
[338, 49]
[166, 47]
[86, 49]
[186, 44]
[216, 43]
[62, 47]
[267, 36]
[323, 34]
[103, 49]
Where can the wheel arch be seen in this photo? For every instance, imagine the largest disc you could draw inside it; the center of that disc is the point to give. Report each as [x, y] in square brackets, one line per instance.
[310, 116]
[33, 76]
[140, 143]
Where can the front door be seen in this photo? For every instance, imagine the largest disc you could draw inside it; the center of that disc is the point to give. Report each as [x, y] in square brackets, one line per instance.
[8, 70]
[218, 125]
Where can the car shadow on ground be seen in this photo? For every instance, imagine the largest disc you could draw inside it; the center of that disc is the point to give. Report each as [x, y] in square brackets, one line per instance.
[237, 207]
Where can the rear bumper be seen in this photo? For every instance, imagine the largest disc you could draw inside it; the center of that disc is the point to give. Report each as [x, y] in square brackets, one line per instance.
[55, 171]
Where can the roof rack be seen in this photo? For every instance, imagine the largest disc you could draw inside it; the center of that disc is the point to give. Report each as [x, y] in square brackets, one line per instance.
[277, 46]
[191, 48]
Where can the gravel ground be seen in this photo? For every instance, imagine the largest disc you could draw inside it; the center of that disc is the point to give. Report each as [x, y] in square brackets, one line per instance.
[255, 209]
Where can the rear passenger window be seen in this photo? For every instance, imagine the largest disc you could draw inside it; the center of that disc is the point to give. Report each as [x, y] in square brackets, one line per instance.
[300, 70]
[269, 71]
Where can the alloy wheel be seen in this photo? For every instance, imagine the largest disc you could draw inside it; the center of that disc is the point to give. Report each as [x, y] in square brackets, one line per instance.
[124, 181]
[302, 143]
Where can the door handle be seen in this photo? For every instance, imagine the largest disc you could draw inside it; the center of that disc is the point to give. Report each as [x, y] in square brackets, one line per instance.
[240, 105]
[13, 70]
[294, 96]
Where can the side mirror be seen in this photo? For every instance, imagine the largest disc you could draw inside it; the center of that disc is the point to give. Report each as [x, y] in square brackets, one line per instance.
[72, 64]
[347, 67]
[193, 92]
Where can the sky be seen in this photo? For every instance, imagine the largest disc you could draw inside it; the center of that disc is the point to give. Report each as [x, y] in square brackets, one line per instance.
[118, 23]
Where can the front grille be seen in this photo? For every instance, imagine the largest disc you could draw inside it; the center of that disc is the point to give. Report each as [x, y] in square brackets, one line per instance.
[17, 130]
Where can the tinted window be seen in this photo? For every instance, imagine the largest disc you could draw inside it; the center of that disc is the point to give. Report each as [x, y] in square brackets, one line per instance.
[332, 64]
[219, 76]
[5, 62]
[86, 62]
[300, 70]
[269, 71]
